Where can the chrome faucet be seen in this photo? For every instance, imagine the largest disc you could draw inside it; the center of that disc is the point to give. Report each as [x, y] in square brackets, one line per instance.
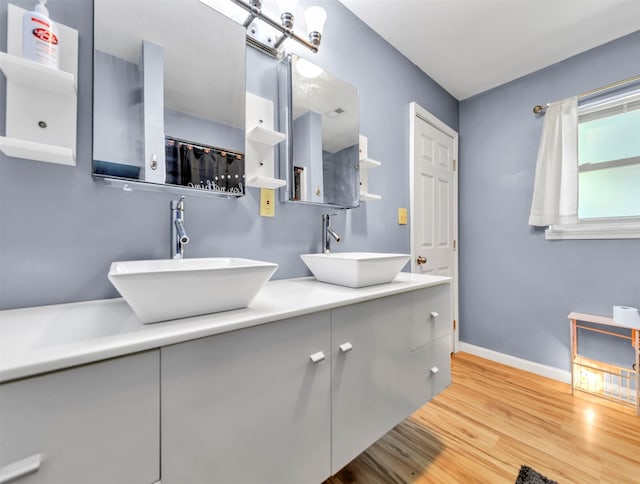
[327, 233]
[179, 235]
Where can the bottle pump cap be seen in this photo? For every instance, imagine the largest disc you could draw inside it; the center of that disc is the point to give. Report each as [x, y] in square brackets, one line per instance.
[41, 9]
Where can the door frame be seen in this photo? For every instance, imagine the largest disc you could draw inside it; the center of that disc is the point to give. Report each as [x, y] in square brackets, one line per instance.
[417, 111]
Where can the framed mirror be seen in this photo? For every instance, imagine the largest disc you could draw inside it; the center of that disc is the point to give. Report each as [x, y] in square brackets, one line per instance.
[319, 113]
[169, 95]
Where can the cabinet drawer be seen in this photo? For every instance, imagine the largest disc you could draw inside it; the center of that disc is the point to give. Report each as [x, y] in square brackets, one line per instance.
[91, 424]
[430, 315]
[431, 368]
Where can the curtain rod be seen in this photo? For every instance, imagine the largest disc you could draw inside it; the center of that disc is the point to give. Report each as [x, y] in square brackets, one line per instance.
[539, 108]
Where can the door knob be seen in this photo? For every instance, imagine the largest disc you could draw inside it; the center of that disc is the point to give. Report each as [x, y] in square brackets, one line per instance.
[421, 260]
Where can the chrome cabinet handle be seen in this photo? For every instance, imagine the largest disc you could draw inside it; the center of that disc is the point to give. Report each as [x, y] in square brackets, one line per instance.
[20, 468]
[344, 347]
[434, 314]
[317, 357]
[421, 260]
[435, 370]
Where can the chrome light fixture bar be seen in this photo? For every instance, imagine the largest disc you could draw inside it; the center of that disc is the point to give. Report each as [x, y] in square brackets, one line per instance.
[315, 17]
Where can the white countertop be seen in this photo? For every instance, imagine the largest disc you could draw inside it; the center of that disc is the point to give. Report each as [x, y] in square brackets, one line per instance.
[47, 338]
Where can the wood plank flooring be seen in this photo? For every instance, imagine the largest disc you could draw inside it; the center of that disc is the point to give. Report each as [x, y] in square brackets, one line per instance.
[492, 420]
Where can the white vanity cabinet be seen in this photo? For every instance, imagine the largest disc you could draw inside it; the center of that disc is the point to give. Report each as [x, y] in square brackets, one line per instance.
[289, 390]
[90, 424]
[251, 405]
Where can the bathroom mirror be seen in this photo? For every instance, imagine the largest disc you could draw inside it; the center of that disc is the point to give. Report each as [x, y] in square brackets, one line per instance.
[319, 113]
[169, 95]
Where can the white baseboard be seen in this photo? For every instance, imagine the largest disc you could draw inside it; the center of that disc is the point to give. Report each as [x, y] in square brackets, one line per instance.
[526, 365]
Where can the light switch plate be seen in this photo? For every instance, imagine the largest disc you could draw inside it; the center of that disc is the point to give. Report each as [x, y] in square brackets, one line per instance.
[402, 216]
[267, 202]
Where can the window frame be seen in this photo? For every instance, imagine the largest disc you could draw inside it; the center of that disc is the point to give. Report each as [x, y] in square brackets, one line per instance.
[599, 228]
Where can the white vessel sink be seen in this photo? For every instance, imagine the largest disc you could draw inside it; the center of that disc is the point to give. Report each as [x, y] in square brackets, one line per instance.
[158, 290]
[355, 269]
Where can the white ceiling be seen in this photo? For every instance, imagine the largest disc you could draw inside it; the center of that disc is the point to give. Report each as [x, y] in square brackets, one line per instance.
[469, 46]
[324, 95]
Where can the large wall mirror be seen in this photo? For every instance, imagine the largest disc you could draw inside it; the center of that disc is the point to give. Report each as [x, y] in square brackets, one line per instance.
[169, 95]
[319, 113]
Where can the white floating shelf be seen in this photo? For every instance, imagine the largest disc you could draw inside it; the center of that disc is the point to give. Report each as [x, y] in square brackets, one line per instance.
[364, 165]
[265, 182]
[19, 148]
[29, 73]
[369, 163]
[265, 136]
[261, 139]
[369, 197]
[41, 102]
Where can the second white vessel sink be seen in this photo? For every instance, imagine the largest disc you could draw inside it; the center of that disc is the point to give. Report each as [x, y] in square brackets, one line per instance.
[159, 290]
[355, 269]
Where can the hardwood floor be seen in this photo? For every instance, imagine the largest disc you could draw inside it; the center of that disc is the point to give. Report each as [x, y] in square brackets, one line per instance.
[493, 419]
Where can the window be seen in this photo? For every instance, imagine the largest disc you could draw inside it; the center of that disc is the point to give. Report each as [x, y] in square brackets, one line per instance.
[609, 159]
[608, 170]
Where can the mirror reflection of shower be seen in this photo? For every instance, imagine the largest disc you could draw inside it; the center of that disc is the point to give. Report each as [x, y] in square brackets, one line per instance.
[322, 125]
[153, 91]
[299, 184]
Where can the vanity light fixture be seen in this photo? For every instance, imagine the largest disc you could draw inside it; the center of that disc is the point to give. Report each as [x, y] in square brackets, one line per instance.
[266, 34]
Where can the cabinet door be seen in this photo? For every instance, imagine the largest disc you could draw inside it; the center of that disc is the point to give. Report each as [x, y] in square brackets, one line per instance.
[92, 424]
[248, 406]
[371, 377]
[431, 315]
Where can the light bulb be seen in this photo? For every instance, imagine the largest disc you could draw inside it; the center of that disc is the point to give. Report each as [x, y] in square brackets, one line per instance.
[315, 17]
[307, 69]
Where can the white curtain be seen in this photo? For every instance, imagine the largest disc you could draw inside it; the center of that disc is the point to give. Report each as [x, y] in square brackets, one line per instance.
[555, 190]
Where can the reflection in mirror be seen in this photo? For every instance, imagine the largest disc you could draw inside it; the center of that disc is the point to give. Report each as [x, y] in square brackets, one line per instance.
[169, 94]
[319, 113]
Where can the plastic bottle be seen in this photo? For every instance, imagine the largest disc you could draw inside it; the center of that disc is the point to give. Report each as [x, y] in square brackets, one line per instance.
[40, 36]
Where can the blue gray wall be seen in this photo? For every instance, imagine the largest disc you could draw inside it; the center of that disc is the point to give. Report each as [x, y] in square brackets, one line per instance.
[60, 229]
[516, 288]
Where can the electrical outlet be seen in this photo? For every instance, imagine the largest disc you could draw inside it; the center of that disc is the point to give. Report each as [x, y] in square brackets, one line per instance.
[267, 202]
[402, 216]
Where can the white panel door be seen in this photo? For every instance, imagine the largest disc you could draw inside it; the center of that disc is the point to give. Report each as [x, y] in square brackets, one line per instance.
[434, 194]
[433, 184]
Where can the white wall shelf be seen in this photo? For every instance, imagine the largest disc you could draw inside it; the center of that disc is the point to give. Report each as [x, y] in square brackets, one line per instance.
[365, 164]
[37, 75]
[369, 197]
[369, 163]
[41, 101]
[265, 136]
[19, 148]
[261, 139]
[265, 182]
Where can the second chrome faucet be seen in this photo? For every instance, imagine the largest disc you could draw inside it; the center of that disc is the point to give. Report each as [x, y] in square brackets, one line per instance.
[179, 236]
[328, 232]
